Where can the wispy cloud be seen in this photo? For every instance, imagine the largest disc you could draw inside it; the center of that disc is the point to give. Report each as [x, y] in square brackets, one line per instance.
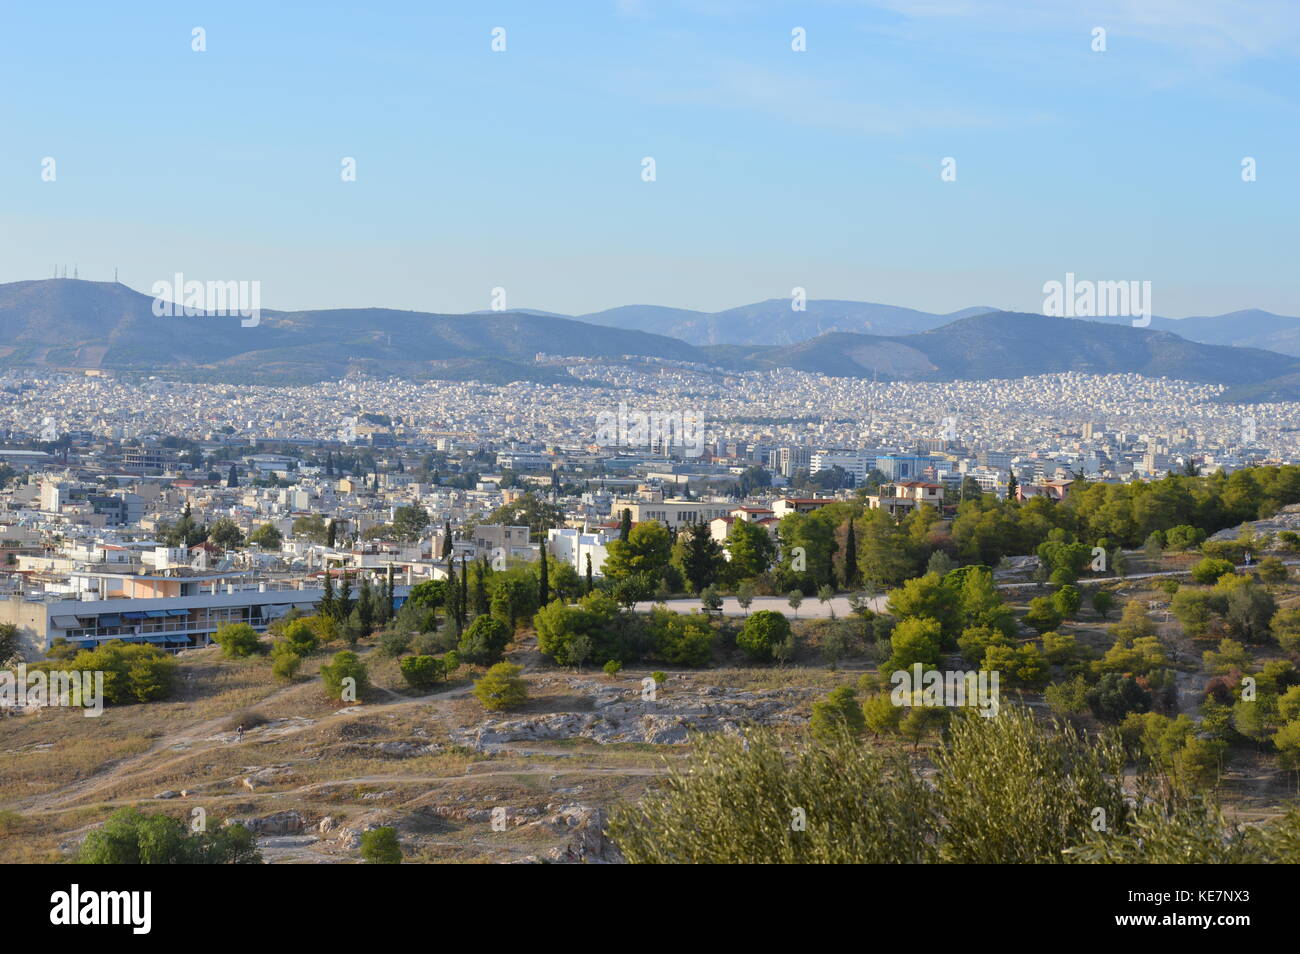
[807, 101]
[1223, 30]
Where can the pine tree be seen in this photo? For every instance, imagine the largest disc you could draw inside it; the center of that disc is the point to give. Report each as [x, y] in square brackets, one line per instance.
[703, 559]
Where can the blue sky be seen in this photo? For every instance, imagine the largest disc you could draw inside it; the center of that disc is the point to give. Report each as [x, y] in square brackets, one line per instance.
[775, 169]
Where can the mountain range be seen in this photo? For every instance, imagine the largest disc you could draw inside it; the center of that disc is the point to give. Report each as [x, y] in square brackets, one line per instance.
[63, 324]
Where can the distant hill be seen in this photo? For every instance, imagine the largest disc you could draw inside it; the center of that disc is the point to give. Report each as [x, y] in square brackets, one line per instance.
[1012, 345]
[774, 322]
[62, 323]
[1251, 328]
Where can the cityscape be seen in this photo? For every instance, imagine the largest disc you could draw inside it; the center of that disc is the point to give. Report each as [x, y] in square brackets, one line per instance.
[408, 504]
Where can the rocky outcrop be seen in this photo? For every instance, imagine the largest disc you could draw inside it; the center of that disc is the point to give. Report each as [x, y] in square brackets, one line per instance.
[623, 716]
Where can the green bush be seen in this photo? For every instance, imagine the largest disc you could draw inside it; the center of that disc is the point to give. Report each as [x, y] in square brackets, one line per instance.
[1210, 569]
[762, 633]
[501, 687]
[379, 846]
[132, 838]
[237, 640]
[346, 665]
[485, 640]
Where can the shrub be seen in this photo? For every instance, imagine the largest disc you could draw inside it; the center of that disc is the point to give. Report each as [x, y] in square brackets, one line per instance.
[379, 846]
[485, 640]
[613, 667]
[130, 837]
[914, 640]
[393, 643]
[301, 635]
[285, 665]
[346, 666]
[680, 639]
[1209, 570]
[761, 634]
[501, 687]
[838, 712]
[237, 640]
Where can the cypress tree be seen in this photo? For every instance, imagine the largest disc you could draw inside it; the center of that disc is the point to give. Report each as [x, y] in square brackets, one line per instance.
[625, 527]
[588, 573]
[543, 582]
[851, 557]
[327, 607]
[481, 602]
[464, 590]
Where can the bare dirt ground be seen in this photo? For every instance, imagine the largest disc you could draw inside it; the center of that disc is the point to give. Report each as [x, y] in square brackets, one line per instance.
[458, 783]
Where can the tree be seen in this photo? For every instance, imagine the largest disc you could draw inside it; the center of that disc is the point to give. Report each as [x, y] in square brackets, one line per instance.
[130, 837]
[1042, 614]
[410, 522]
[1103, 601]
[930, 598]
[761, 634]
[226, 534]
[751, 550]
[916, 639]
[838, 712]
[1066, 601]
[1209, 570]
[543, 580]
[1250, 609]
[366, 607]
[501, 687]
[10, 644]
[379, 846]
[345, 678]
[589, 585]
[625, 525]
[646, 551]
[485, 640]
[699, 557]
[680, 639]
[267, 537]
[745, 595]
[1285, 627]
[237, 640]
[850, 557]
[795, 599]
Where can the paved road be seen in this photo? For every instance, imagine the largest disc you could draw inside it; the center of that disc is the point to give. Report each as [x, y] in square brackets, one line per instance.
[810, 608]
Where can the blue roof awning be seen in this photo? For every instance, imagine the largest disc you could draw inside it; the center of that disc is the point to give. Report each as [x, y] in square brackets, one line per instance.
[177, 613]
[110, 619]
[133, 616]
